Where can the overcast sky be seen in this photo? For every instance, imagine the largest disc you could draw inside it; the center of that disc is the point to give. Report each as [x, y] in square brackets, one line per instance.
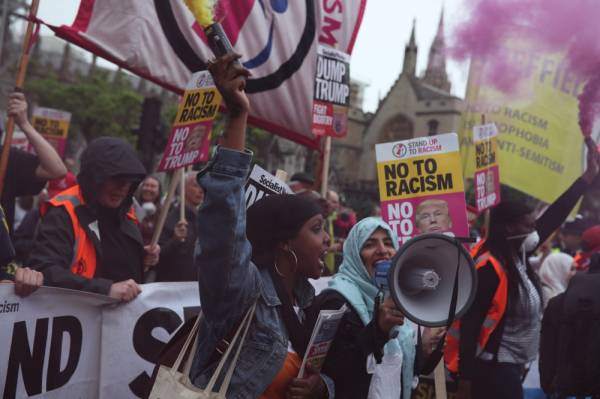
[379, 49]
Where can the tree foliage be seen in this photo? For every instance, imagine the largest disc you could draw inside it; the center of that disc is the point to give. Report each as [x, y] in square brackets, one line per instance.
[99, 107]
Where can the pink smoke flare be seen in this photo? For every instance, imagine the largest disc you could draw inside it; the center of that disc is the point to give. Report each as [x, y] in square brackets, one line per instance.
[557, 25]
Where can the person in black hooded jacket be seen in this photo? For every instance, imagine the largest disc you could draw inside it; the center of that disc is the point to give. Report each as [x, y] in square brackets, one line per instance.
[88, 239]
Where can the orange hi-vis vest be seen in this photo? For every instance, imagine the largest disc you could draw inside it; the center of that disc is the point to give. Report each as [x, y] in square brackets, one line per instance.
[84, 252]
[491, 321]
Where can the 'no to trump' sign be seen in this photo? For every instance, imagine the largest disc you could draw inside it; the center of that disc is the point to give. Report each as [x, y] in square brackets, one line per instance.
[190, 136]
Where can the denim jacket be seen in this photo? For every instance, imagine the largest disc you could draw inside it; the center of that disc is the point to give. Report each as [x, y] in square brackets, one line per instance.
[230, 283]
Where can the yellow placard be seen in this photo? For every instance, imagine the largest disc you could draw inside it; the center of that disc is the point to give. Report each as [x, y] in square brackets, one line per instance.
[486, 154]
[415, 177]
[539, 143]
[198, 105]
[50, 127]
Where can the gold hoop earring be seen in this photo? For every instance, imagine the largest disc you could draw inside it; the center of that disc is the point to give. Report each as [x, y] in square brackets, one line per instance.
[291, 251]
[277, 269]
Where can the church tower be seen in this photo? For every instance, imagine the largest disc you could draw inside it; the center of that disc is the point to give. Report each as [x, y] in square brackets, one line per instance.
[410, 55]
[435, 74]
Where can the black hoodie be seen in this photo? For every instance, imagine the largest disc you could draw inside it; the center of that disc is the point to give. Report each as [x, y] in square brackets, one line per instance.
[119, 250]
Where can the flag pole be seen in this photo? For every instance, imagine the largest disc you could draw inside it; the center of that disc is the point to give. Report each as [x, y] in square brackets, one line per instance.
[22, 71]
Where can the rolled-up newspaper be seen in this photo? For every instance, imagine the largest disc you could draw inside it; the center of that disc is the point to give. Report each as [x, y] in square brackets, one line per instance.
[321, 338]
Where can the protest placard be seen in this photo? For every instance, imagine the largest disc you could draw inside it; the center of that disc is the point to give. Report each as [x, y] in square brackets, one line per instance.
[421, 186]
[53, 124]
[261, 183]
[189, 140]
[487, 171]
[332, 93]
[540, 146]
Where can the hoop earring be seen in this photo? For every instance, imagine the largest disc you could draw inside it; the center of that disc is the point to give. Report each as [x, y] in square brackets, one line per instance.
[277, 269]
[291, 251]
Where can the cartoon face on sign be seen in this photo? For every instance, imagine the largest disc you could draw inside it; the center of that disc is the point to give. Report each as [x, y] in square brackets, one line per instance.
[433, 216]
[280, 42]
[194, 139]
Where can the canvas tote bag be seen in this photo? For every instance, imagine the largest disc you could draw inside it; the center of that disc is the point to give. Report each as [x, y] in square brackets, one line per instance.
[172, 384]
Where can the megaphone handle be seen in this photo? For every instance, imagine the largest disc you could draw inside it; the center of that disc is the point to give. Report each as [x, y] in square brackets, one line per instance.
[439, 374]
[454, 300]
[435, 360]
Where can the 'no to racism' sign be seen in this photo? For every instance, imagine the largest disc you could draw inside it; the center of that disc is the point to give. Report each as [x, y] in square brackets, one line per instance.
[190, 136]
[421, 186]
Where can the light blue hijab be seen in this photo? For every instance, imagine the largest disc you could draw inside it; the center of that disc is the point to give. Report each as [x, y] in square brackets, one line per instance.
[356, 285]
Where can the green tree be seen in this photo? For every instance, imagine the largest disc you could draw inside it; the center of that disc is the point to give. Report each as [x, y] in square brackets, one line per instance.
[98, 107]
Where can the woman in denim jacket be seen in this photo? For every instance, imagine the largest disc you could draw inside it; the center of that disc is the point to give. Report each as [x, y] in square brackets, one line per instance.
[285, 243]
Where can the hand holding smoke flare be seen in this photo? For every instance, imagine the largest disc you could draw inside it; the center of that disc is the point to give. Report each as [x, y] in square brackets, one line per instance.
[217, 38]
[556, 25]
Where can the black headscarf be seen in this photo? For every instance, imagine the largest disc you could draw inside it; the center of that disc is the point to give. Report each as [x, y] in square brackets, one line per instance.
[269, 222]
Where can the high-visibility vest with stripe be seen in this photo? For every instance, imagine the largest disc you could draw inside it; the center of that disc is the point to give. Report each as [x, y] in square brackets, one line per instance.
[83, 262]
[491, 321]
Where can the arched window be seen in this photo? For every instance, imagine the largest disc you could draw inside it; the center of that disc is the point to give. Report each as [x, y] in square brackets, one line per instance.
[397, 128]
[433, 127]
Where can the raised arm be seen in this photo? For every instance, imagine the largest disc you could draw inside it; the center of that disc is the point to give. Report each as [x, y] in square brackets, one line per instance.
[556, 213]
[228, 281]
[51, 166]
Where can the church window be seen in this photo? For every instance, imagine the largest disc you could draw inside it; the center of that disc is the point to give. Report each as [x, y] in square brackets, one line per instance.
[398, 127]
[433, 127]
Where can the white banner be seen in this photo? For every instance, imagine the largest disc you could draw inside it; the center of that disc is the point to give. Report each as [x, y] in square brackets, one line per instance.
[161, 41]
[50, 343]
[65, 344]
[134, 334]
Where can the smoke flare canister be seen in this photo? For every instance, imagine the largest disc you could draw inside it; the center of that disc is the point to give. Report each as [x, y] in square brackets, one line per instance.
[217, 40]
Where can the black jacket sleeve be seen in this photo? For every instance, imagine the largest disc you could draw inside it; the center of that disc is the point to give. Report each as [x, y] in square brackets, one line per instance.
[471, 322]
[347, 358]
[168, 244]
[549, 341]
[52, 254]
[21, 173]
[24, 235]
[558, 211]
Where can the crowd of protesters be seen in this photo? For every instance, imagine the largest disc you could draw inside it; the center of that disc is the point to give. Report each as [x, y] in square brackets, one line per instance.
[93, 232]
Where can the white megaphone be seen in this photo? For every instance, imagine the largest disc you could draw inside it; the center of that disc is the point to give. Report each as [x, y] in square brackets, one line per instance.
[426, 273]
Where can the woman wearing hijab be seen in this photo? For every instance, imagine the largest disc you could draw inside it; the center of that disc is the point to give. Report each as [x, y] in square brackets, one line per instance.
[555, 273]
[261, 257]
[363, 337]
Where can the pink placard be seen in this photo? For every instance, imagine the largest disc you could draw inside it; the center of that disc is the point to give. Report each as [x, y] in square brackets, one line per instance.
[487, 188]
[187, 145]
[427, 214]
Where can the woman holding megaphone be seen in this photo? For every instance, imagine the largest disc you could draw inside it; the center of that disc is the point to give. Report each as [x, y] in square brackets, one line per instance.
[373, 354]
[491, 345]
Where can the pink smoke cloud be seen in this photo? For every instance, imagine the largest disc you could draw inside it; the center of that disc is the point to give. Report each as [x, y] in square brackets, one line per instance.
[557, 25]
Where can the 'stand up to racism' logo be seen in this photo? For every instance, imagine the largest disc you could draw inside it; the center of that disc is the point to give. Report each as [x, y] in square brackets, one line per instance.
[262, 54]
[400, 150]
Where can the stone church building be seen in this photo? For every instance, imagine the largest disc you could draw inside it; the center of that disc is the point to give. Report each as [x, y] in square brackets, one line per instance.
[415, 106]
